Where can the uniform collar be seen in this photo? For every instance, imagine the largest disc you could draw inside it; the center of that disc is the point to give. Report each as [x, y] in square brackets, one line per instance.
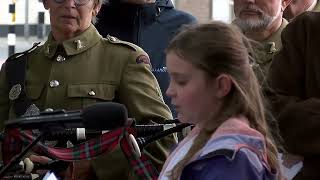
[75, 45]
[273, 43]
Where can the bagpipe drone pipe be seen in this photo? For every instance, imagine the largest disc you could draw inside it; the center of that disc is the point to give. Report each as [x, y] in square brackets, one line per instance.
[98, 128]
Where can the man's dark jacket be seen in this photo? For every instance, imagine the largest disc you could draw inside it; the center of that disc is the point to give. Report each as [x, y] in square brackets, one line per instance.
[150, 26]
[294, 76]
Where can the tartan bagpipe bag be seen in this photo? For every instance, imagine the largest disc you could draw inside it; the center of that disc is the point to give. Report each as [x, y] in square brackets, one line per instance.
[15, 139]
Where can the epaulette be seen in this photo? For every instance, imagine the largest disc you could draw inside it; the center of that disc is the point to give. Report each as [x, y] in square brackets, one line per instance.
[115, 40]
[17, 55]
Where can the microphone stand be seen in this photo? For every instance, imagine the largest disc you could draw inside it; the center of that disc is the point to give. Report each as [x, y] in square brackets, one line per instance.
[19, 156]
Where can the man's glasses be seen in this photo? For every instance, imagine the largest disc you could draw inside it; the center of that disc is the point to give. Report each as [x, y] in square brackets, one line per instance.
[77, 2]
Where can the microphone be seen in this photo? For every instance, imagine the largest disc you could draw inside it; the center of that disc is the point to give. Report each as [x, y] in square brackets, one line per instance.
[99, 116]
[79, 134]
[108, 115]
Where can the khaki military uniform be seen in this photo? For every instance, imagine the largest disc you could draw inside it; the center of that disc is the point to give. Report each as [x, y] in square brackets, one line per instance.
[264, 52]
[88, 69]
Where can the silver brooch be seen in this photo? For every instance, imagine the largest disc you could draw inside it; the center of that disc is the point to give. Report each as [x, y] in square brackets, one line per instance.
[15, 92]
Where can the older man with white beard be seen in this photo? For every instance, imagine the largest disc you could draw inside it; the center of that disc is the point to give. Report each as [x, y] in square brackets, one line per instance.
[261, 20]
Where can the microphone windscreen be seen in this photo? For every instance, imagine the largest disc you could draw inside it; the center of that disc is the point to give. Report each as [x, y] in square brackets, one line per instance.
[105, 116]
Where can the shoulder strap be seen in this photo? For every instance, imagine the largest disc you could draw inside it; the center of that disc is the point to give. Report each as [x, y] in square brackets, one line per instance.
[16, 77]
[114, 40]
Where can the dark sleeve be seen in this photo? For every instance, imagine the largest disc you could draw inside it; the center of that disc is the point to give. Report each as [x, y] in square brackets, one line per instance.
[4, 98]
[298, 115]
[188, 18]
[221, 168]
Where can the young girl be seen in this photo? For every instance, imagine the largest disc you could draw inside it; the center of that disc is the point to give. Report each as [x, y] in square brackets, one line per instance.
[213, 87]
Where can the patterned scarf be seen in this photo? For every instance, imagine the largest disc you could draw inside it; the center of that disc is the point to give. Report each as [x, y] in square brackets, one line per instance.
[16, 139]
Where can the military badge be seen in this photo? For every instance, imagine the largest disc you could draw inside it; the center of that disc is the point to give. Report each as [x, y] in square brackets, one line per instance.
[15, 92]
[143, 59]
[79, 44]
[32, 110]
[60, 58]
[111, 38]
[271, 47]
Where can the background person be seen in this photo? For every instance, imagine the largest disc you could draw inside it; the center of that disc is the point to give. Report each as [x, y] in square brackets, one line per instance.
[261, 20]
[150, 24]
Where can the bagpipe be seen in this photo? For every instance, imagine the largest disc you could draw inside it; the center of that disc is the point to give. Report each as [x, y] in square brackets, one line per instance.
[95, 130]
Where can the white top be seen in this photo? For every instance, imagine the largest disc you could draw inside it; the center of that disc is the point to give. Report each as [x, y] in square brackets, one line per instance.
[177, 155]
[312, 6]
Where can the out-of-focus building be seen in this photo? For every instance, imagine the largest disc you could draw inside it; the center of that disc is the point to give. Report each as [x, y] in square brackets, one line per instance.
[28, 14]
[207, 10]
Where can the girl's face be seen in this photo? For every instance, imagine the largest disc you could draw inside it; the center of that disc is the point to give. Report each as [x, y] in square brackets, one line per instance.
[192, 92]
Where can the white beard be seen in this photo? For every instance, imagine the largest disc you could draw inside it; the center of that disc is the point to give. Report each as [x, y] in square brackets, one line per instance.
[249, 25]
[253, 24]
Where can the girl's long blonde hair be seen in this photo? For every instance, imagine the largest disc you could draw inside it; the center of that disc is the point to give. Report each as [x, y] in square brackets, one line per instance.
[218, 48]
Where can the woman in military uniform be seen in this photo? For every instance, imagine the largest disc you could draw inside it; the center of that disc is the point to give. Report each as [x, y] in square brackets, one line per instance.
[76, 67]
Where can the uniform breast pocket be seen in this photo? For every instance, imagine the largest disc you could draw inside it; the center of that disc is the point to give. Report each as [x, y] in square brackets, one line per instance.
[34, 92]
[82, 95]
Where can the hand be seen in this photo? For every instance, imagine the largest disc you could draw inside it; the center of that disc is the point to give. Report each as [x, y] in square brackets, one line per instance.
[39, 159]
[29, 163]
[290, 159]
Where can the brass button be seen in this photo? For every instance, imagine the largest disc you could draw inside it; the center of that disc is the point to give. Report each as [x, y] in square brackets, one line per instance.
[54, 83]
[111, 38]
[48, 110]
[60, 58]
[92, 93]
